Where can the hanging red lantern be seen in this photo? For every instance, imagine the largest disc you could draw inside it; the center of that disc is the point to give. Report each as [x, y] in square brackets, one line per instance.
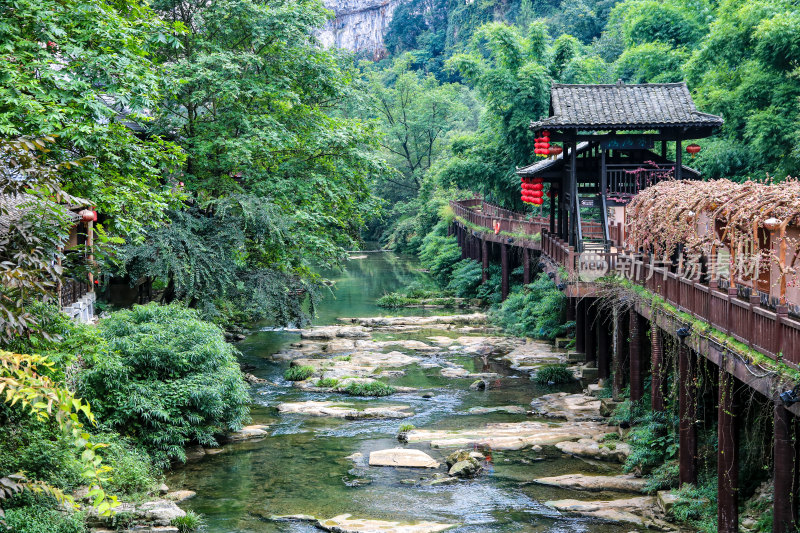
[556, 150]
[549, 194]
[94, 216]
[536, 187]
[538, 201]
[87, 215]
[537, 180]
[537, 194]
[693, 149]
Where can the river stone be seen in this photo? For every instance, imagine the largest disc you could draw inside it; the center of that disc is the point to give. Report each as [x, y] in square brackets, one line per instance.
[246, 433]
[640, 511]
[622, 483]
[195, 453]
[509, 436]
[332, 332]
[567, 406]
[465, 469]
[512, 409]
[666, 500]
[345, 524]
[178, 496]
[407, 457]
[373, 322]
[533, 354]
[612, 451]
[344, 410]
[159, 512]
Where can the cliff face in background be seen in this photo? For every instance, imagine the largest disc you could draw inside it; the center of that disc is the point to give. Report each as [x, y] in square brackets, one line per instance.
[359, 25]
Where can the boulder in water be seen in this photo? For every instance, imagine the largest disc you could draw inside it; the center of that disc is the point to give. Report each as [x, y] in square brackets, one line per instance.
[407, 457]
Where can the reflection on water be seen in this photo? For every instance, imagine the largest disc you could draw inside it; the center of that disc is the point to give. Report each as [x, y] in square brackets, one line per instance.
[301, 468]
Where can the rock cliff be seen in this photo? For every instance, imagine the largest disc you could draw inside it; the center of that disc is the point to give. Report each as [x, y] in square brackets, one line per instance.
[359, 25]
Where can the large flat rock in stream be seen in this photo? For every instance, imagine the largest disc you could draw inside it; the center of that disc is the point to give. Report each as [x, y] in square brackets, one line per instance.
[613, 451]
[509, 436]
[621, 483]
[407, 457]
[382, 321]
[641, 511]
[344, 410]
[567, 406]
[345, 524]
[532, 355]
[332, 332]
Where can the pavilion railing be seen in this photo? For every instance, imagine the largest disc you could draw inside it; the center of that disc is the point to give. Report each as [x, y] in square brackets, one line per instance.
[72, 291]
[747, 319]
[626, 180]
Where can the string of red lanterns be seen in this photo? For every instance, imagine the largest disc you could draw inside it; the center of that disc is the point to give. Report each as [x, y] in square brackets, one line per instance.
[532, 191]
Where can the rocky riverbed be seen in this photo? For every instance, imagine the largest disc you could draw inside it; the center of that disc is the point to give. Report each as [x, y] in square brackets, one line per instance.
[465, 441]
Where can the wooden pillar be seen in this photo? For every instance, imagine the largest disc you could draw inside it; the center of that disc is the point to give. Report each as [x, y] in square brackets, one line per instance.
[786, 472]
[571, 304]
[526, 266]
[687, 414]
[580, 326]
[603, 349]
[635, 355]
[573, 180]
[664, 149]
[620, 352]
[505, 271]
[678, 160]
[485, 259]
[552, 209]
[727, 456]
[659, 378]
[591, 333]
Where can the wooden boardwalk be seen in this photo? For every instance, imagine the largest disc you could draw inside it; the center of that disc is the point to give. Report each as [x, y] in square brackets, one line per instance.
[744, 331]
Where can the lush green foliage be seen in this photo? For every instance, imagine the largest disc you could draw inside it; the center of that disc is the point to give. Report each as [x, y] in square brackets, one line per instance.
[553, 375]
[40, 516]
[536, 310]
[169, 379]
[298, 373]
[76, 64]
[369, 388]
[653, 442]
[191, 521]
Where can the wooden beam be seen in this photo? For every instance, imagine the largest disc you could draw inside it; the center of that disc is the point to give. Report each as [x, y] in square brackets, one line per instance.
[604, 348]
[620, 353]
[635, 355]
[785, 471]
[505, 271]
[727, 456]
[687, 415]
[485, 260]
[658, 380]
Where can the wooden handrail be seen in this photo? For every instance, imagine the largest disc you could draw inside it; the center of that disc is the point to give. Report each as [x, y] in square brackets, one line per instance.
[771, 332]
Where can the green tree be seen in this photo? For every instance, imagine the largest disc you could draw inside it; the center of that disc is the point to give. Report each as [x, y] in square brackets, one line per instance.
[415, 113]
[78, 70]
[168, 379]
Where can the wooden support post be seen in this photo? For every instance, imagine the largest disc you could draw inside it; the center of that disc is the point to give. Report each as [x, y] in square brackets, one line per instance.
[678, 160]
[687, 414]
[727, 456]
[635, 355]
[552, 210]
[505, 271]
[603, 348]
[526, 266]
[659, 379]
[571, 304]
[485, 259]
[591, 333]
[786, 472]
[620, 353]
[580, 326]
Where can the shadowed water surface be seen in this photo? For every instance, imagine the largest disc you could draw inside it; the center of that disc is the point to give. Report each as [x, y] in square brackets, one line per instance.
[301, 467]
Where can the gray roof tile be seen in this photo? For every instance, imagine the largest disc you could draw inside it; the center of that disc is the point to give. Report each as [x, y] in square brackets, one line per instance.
[622, 106]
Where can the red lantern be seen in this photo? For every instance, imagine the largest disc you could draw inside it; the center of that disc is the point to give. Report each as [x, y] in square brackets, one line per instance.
[536, 187]
[94, 214]
[537, 180]
[538, 201]
[693, 149]
[537, 194]
[556, 150]
[549, 194]
[87, 216]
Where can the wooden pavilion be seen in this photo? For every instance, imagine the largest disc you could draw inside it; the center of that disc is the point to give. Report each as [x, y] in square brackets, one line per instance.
[610, 134]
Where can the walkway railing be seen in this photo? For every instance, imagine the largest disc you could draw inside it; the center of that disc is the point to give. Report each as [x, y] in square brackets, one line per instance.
[771, 332]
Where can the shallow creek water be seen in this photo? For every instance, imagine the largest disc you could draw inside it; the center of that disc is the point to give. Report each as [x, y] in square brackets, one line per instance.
[301, 467]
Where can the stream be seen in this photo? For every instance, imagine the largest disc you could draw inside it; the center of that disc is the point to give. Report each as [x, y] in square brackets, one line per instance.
[302, 466]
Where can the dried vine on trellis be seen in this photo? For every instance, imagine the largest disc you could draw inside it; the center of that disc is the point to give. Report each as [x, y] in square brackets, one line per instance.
[704, 218]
